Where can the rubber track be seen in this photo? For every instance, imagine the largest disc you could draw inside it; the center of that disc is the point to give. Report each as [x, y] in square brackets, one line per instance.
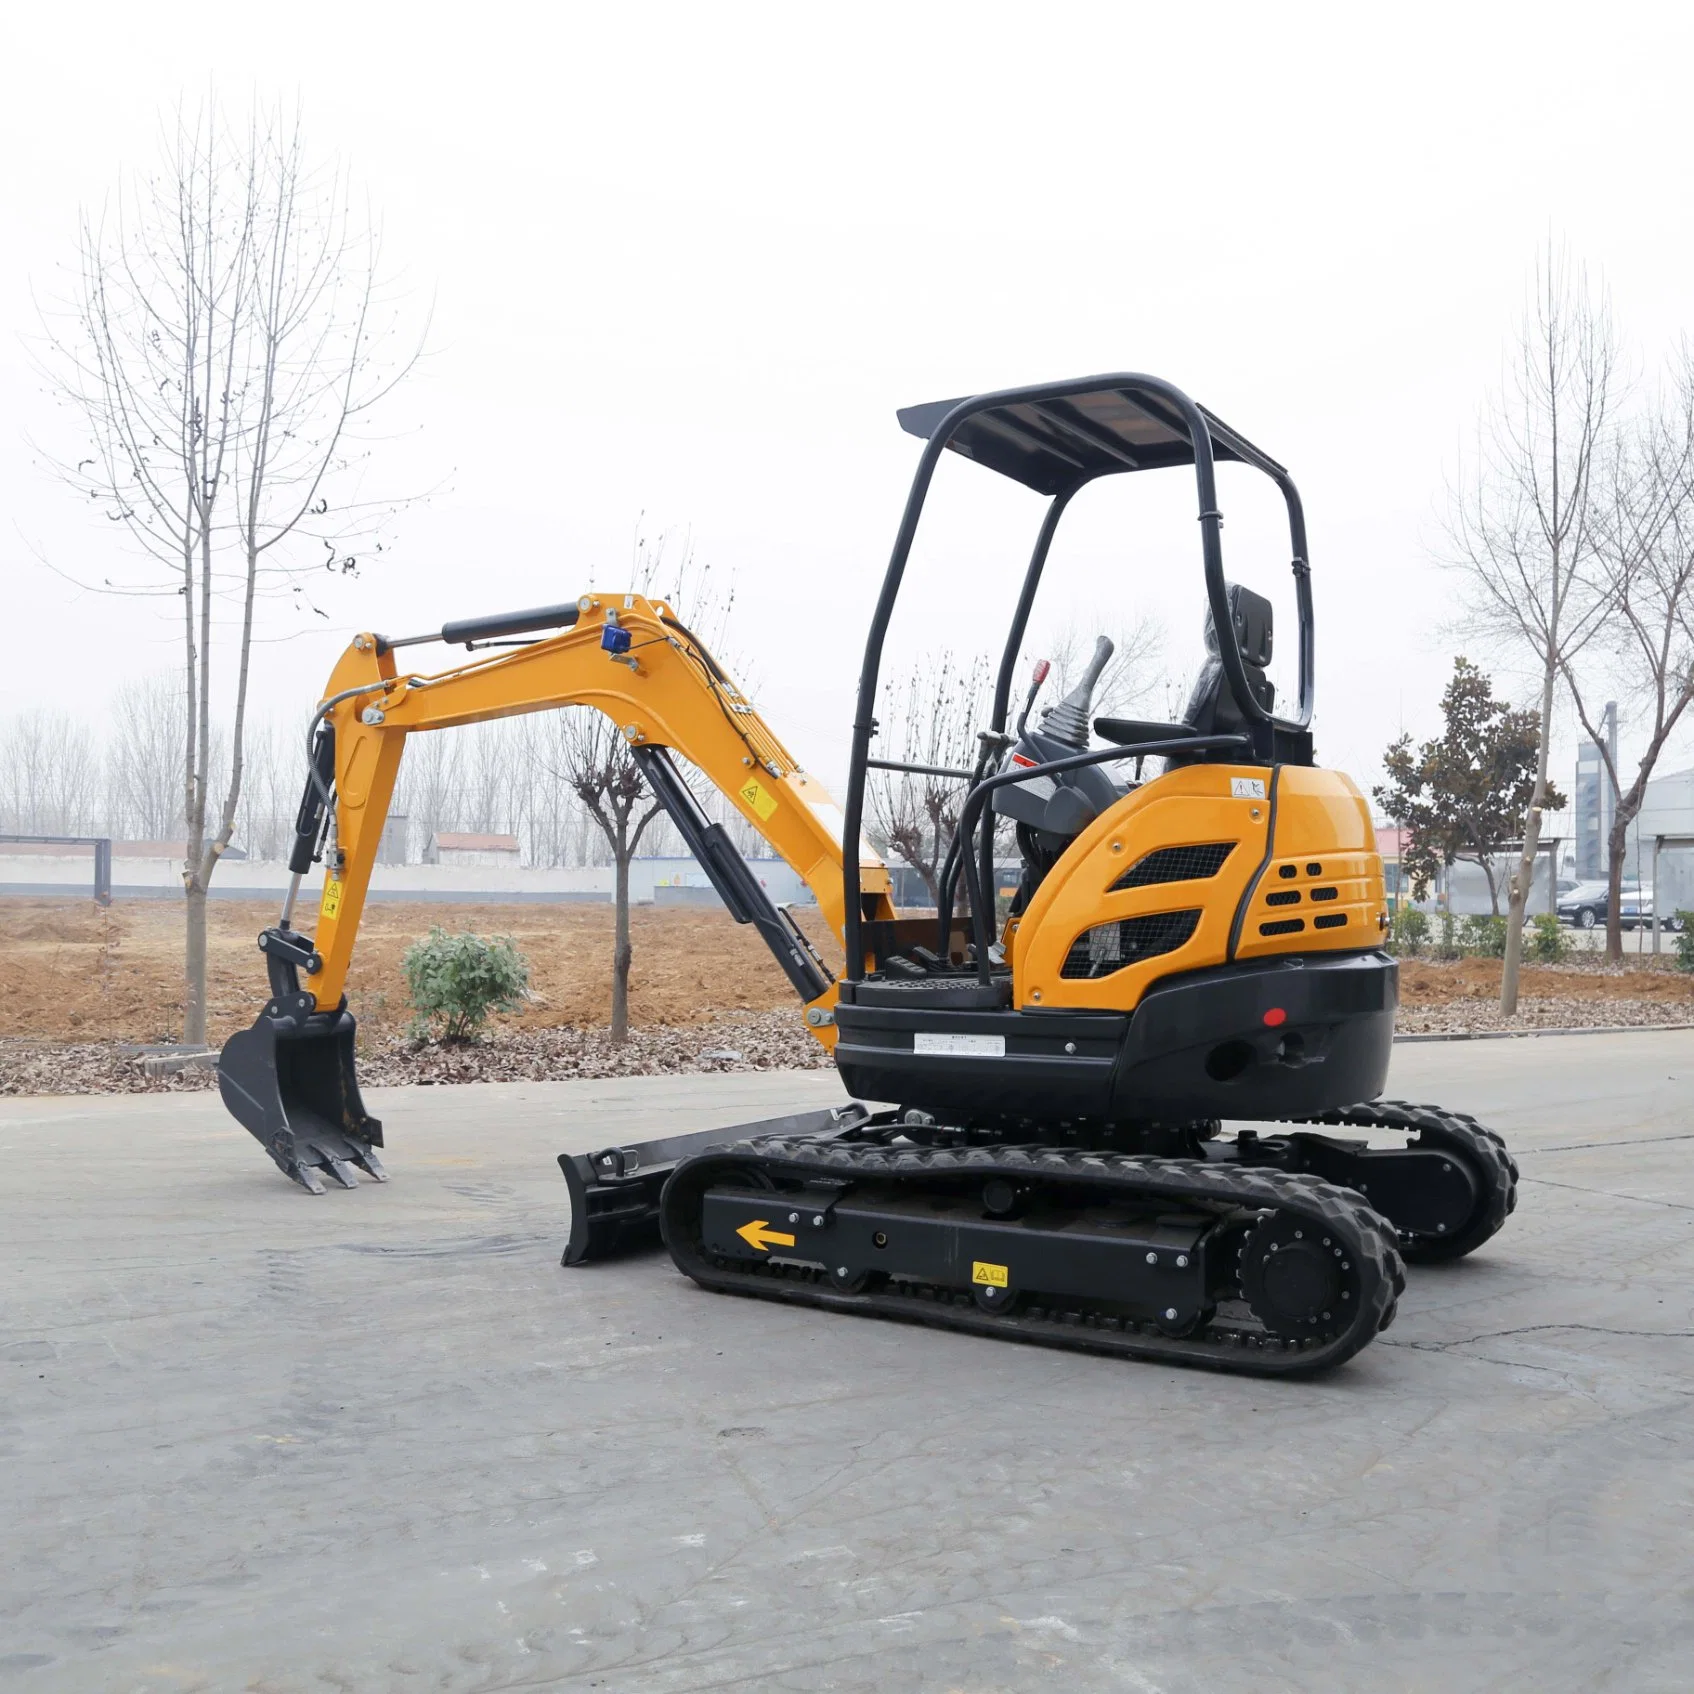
[1456, 1132]
[1369, 1240]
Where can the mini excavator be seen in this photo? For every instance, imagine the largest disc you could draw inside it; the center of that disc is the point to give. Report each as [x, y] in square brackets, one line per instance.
[1196, 941]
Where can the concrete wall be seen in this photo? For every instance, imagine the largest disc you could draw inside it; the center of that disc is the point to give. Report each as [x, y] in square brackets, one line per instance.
[682, 881]
[1467, 888]
[670, 881]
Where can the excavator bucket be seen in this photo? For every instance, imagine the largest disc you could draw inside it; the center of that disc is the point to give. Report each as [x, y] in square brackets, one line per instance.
[291, 1081]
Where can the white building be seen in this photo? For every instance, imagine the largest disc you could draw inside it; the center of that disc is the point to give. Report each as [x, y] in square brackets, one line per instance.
[448, 847]
[1667, 813]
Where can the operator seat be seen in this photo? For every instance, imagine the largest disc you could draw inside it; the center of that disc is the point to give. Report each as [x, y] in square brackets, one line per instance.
[1211, 708]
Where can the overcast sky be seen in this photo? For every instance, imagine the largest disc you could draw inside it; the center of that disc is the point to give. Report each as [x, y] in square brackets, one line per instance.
[688, 260]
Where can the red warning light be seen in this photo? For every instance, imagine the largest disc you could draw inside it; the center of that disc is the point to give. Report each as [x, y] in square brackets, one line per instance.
[1276, 1015]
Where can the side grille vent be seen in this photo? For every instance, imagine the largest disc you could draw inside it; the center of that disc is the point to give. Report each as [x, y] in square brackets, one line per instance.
[1109, 947]
[1283, 926]
[1329, 920]
[1176, 864]
[1284, 897]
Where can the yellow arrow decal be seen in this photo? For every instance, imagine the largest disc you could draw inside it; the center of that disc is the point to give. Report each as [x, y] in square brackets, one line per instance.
[761, 1237]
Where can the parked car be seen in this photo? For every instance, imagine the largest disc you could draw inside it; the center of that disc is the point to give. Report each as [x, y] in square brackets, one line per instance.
[1585, 906]
[1635, 911]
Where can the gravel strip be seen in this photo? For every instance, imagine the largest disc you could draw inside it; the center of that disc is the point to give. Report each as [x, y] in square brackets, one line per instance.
[738, 1041]
[744, 1041]
[1477, 1016]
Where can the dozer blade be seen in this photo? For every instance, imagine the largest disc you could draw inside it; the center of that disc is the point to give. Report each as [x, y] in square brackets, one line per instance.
[290, 1081]
[615, 1192]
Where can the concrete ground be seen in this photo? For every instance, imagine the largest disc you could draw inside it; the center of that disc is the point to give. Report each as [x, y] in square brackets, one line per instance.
[381, 1441]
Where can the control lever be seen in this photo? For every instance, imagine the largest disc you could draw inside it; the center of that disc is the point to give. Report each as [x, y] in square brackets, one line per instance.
[1069, 720]
[1041, 669]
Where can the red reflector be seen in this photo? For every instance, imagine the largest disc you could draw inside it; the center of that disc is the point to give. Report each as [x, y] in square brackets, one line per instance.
[1019, 759]
[1275, 1016]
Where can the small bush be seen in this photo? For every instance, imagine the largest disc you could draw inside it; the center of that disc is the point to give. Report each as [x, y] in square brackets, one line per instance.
[1410, 932]
[1485, 937]
[1685, 941]
[1447, 947]
[457, 980]
[1547, 943]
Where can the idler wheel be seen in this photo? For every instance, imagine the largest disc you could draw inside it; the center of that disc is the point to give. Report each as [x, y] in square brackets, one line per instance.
[1297, 1278]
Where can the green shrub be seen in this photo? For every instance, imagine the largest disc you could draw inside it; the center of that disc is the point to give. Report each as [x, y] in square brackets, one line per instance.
[1410, 932]
[1685, 941]
[1485, 937]
[1547, 943]
[1448, 945]
[459, 979]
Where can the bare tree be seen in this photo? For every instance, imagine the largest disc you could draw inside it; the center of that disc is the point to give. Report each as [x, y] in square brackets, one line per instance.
[270, 788]
[595, 760]
[1521, 521]
[589, 754]
[148, 719]
[1135, 673]
[938, 709]
[1643, 576]
[220, 348]
[49, 775]
[431, 782]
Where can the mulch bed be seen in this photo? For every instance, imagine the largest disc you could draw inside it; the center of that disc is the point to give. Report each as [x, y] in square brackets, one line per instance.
[748, 1041]
[1475, 1016]
[1458, 998]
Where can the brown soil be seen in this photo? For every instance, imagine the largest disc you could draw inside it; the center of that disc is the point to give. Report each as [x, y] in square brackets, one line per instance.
[72, 972]
[1428, 982]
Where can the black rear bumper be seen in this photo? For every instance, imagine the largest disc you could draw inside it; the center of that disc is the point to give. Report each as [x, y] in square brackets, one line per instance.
[1260, 1041]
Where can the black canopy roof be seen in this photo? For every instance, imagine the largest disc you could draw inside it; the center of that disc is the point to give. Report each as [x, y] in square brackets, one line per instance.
[1054, 444]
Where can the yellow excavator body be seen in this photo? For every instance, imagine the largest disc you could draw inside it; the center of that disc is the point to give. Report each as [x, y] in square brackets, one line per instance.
[1300, 876]
[1200, 943]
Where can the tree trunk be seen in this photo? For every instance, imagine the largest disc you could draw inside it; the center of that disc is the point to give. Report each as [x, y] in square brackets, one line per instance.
[1491, 877]
[620, 947]
[1517, 889]
[194, 966]
[1616, 841]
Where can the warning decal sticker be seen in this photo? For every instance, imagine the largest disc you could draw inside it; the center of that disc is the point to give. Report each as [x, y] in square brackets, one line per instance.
[756, 797]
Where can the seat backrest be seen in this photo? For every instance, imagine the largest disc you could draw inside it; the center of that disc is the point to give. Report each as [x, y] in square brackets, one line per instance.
[1211, 708]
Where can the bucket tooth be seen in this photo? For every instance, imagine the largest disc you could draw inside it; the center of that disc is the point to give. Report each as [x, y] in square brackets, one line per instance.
[290, 1082]
[341, 1171]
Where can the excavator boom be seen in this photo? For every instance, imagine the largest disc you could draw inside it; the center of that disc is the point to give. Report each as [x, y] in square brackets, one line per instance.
[290, 1079]
[627, 657]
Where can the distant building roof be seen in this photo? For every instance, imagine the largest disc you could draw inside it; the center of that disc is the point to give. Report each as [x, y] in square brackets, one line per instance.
[451, 841]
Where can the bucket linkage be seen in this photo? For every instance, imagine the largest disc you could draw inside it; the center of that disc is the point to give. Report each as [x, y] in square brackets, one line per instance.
[290, 1080]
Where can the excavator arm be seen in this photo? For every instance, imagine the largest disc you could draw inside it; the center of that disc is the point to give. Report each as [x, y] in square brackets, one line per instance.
[290, 1079]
